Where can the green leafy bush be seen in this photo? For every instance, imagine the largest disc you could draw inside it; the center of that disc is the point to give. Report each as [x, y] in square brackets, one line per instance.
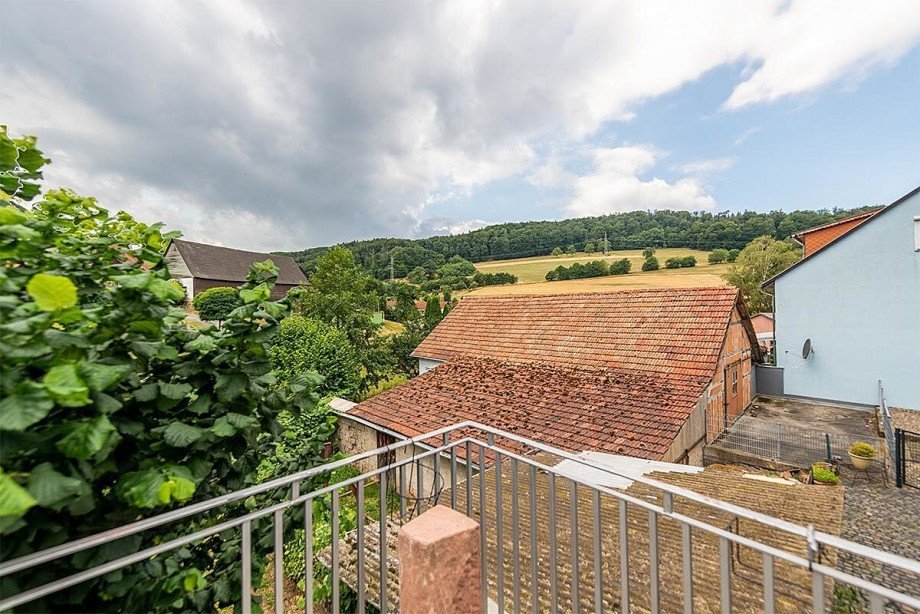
[215, 304]
[650, 264]
[685, 262]
[862, 449]
[733, 254]
[557, 251]
[620, 267]
[494, 279]
[718, 256]
[823, 474]
[648, 252]
[304, 344]
[113, 409]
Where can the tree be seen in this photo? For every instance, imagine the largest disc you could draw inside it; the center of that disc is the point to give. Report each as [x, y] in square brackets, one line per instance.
[456, 267]
[650, 264]
[620, 267]
[733, 255]
[418, 275]
[215, 304]
[718, 256]
[648, 252]
[760, 260]
[304, 345]
[433, 313]
[589, 248]
[570, 249]
[557, 251]
[113, 409]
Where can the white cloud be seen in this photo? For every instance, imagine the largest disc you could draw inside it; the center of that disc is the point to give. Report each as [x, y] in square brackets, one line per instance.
[706, 166]
[320, 122]
[614, 185]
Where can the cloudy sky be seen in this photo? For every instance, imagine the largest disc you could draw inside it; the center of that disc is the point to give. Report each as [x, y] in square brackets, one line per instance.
[282, 125]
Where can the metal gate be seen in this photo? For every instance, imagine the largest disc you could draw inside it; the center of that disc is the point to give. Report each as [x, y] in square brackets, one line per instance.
[907, 458]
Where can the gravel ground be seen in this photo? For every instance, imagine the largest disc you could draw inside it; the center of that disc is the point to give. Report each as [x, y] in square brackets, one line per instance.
[907, 419]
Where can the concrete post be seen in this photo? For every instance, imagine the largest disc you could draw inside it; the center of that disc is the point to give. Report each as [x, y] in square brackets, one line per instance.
[439, 564]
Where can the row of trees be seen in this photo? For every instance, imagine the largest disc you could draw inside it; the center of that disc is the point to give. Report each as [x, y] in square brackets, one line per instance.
[595, 268]
[633, 230]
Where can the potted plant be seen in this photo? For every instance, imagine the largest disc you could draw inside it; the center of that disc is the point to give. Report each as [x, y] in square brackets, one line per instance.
[862, 454]
[821, 473]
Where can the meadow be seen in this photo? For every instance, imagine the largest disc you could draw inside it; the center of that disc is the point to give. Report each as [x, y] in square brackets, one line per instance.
[531, 273]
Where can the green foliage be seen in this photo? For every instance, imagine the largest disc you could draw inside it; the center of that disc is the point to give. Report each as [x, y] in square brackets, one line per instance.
[650, 264]
[570, 249]
[557, 251]
[457, 266]
[718, 256]
[216, 303]
[433, 312]
[418, 275]
[595, 268]
[20, 169]
[823, 474]
[113, 409]
[494, 279]
[404, 296]
[304, 345]
[384, 385]
[685, 262]
[760, 260]
[620, 267]
[733, 255]
[648, 252]
[589, 248]
[862, 449]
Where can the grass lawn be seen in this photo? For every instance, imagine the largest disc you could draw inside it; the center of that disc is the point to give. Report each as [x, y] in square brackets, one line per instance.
[533, 270]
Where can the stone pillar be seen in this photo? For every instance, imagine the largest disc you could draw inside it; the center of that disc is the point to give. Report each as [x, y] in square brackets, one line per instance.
[439, 564]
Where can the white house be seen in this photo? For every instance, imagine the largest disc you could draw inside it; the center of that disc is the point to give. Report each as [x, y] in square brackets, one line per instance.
[848, 315]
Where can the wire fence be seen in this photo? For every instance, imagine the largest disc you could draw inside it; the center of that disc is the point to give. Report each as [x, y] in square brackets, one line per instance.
[887, 425]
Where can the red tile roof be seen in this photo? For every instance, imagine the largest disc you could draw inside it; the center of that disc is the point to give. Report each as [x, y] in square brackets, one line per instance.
[670, 332]
[610, 410]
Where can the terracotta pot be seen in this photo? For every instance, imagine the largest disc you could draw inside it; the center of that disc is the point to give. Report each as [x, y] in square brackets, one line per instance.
[861, 462]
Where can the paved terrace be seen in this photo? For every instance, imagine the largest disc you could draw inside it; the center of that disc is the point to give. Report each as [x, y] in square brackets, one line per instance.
[822, 506]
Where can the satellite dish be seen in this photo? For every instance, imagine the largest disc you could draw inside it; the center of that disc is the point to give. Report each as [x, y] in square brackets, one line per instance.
[806, 349]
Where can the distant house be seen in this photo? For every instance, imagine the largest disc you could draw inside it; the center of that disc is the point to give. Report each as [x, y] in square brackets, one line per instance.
[815, 238]
[848, 314]
[199, 266]
[639, 373]
[763, 327]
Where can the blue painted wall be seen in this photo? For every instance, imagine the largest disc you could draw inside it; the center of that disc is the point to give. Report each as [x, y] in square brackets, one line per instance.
[858, 300]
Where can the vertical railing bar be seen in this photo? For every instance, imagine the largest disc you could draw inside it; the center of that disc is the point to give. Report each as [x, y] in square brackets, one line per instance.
[419, 487]
[362, 598]
[295, 490]
[687, 548]
[483, 530]
[453, 478]
[308, 555]
[334, 535]
[876, 603]
[499, 535]
[725, 590]
[553, 571]
[383, 542]
[534, 586]
[653, 563]
[402, 492]
[515, 537]
[598, 571]
[573, 529]
[769, 589]
[247, 567]
[624, 558]
[279, 562]
[817, 591]
[469, 479]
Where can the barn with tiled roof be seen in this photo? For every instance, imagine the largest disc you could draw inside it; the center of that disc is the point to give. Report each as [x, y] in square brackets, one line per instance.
[640, 373]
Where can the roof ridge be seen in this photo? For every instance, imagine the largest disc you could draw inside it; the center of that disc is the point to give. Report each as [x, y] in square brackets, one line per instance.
[837, 222]
[694, 289]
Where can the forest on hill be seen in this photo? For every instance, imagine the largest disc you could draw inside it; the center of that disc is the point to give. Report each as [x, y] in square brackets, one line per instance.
[632, 230]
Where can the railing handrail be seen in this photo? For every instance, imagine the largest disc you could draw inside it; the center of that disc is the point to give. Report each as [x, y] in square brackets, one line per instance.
[813, 539]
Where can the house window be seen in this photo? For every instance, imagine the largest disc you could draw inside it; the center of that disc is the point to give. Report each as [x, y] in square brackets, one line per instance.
[917, 233]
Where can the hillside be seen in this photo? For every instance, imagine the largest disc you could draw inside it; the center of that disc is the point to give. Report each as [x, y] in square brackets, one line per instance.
[625, 231]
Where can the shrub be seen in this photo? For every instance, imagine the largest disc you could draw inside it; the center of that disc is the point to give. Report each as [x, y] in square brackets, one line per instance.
[688, 261]
[305, 344]
[114, 410]
[589, 248]
[823, 474]
[685, 262]
[457, 266]
[648, 252]
[215, 304]
[557, 251]
[570, 249]
[650, 264]
[862, 449]
[718, 256]
[733, 254]
[418, 275]
[494, 279]
[383, 386]
[620, 267]
[595, 268]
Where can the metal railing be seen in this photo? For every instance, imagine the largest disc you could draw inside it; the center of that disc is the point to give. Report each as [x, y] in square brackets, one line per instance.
[654, 546]
[887, 425]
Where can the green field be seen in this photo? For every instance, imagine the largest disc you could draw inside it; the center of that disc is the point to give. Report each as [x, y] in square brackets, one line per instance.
[533, 270]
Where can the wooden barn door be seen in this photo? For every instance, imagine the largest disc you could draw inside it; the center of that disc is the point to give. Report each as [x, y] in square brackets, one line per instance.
[734, 393]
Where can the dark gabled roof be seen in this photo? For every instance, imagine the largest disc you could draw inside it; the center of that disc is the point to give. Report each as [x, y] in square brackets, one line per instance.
[226, 264]
[843, 236]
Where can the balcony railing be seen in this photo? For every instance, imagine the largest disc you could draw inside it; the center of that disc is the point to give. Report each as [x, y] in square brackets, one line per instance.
[553, 539]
